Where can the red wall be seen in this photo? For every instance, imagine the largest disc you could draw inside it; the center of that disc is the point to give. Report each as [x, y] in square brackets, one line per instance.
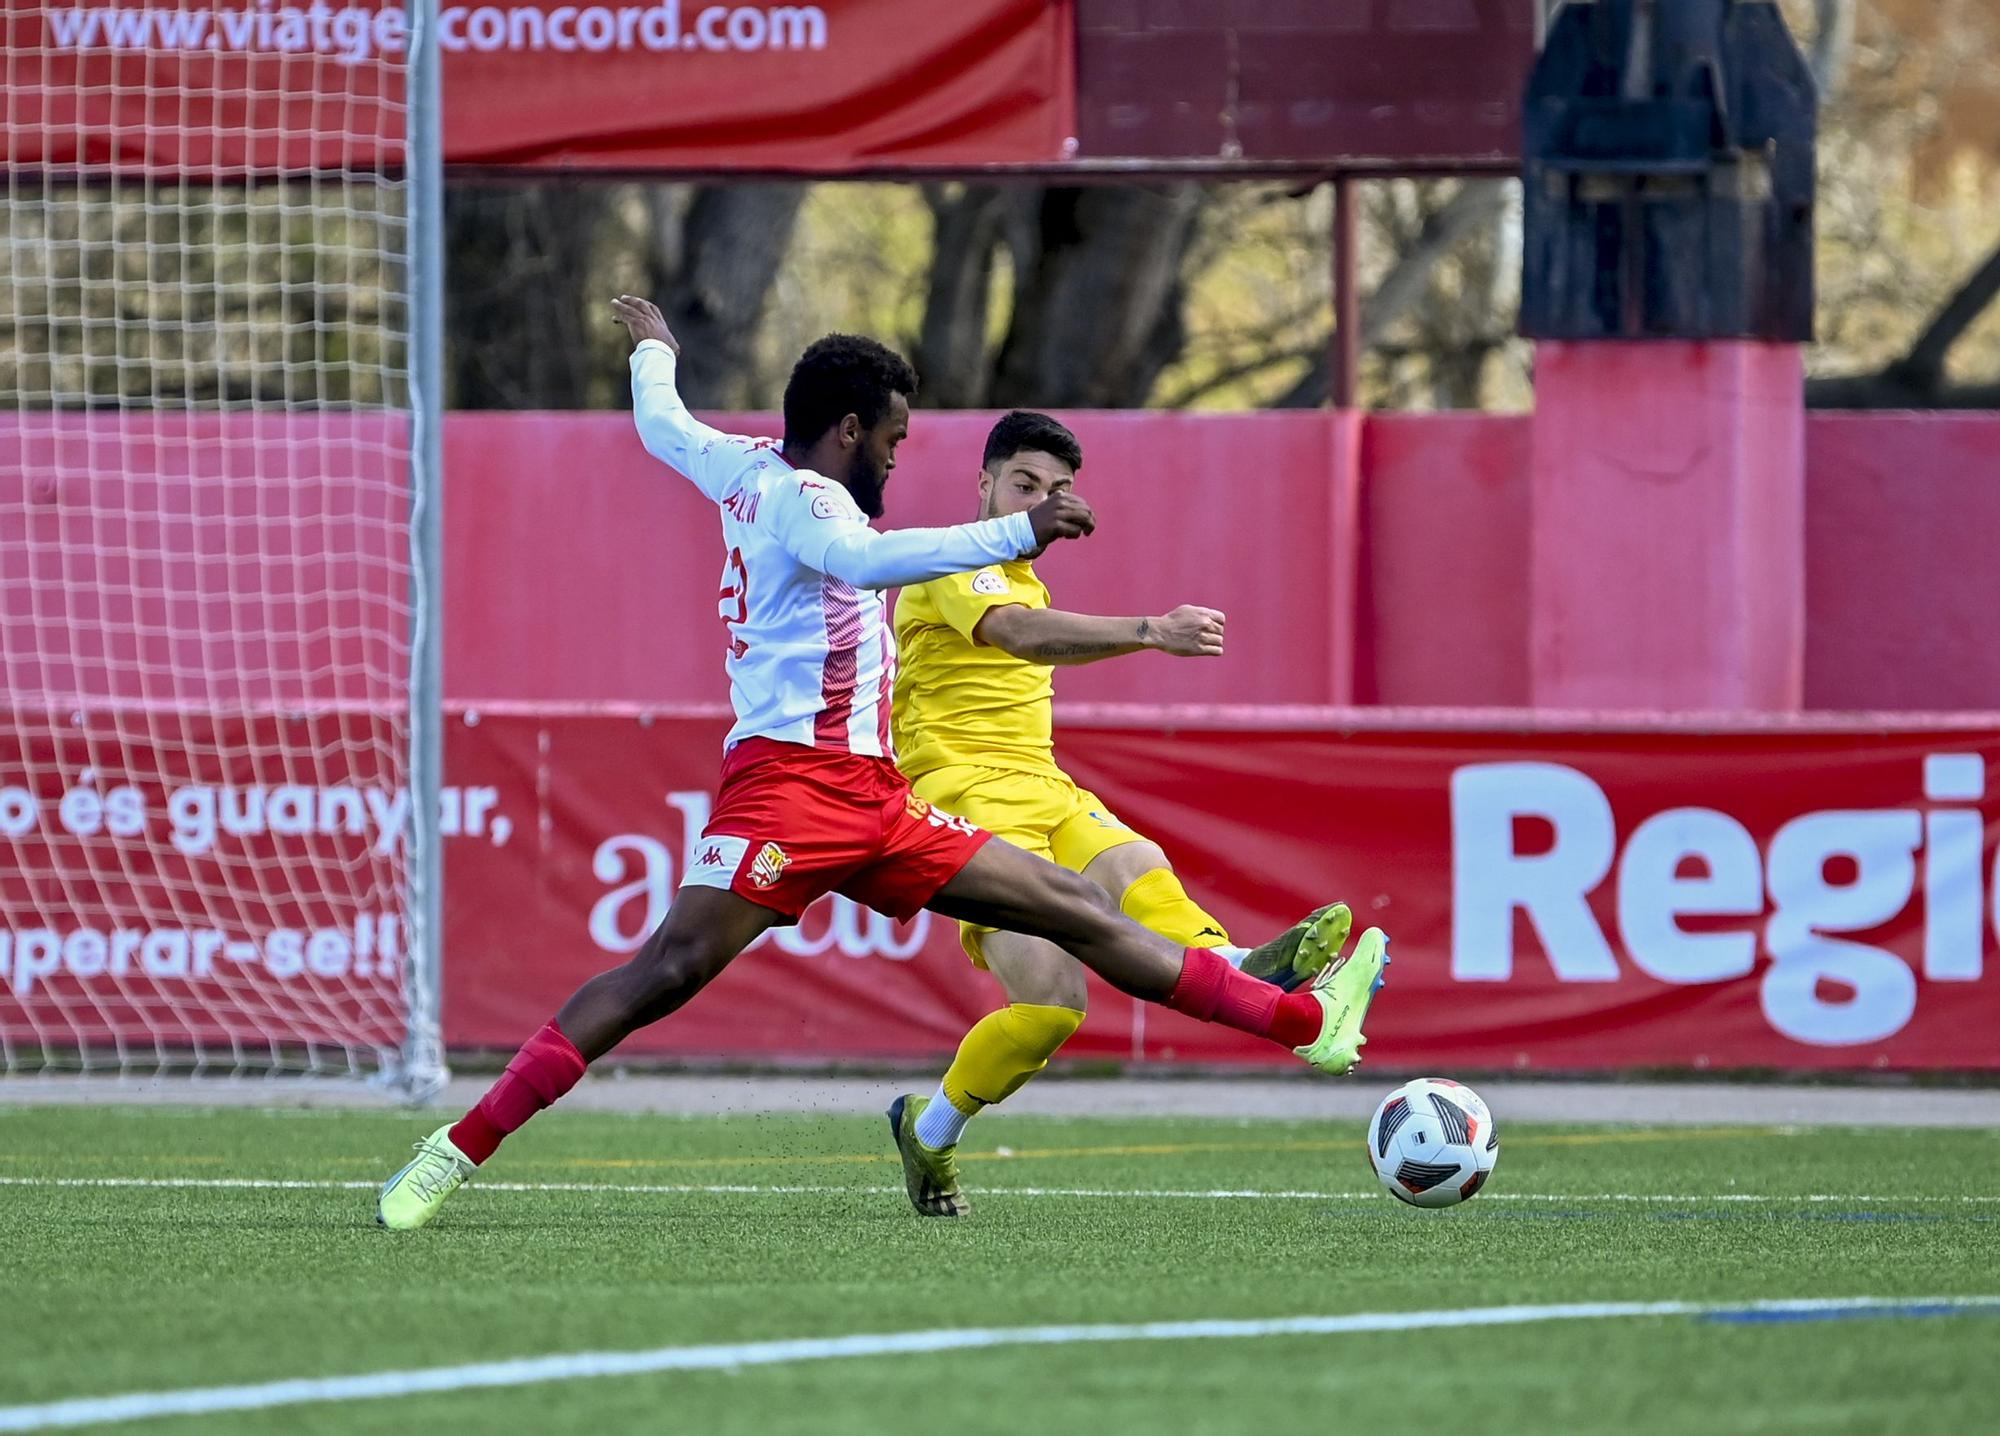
[1442, 612]
[1902, 586]
[577, 567]
[149, 558]
[1241, 512]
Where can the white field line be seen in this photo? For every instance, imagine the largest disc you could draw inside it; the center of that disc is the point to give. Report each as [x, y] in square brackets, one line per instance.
[586, 1365]
[1109, 1193]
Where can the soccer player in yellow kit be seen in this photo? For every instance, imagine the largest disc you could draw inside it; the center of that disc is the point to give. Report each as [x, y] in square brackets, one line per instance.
[973, 733]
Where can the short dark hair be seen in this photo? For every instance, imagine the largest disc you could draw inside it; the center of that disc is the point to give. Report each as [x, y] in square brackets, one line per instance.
[839, 375]
[1025, 431]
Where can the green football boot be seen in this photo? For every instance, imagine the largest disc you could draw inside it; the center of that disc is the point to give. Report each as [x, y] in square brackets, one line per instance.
[413, 1196]
[929, 1175]
[1344, 991]
[1300, 953]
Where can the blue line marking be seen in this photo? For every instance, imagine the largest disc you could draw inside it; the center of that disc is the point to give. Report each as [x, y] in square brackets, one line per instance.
[1766, 1316]
[1371, 1206]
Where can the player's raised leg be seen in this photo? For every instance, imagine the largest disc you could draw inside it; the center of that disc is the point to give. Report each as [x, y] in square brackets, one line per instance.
[703, 930]
[1045, 994]
[1006, 888]
[1149, 892]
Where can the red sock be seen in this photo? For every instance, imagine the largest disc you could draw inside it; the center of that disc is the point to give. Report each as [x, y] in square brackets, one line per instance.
[547, 1066]
[1209, 988]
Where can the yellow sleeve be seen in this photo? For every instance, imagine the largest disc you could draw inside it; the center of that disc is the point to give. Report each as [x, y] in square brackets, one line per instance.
[962, 599]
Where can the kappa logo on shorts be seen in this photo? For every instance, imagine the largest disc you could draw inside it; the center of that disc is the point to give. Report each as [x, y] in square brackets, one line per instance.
[713, 861]
[769, 865]
[715, 855]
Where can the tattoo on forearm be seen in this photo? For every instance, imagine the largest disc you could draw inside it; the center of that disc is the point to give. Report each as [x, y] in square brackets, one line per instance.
[1076, 650]
[1053, 652]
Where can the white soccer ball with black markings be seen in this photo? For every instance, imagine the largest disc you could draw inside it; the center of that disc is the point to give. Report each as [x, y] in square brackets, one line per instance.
[1433, 1143]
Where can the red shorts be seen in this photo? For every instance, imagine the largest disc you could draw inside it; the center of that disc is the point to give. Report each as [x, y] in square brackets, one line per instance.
[792, 824]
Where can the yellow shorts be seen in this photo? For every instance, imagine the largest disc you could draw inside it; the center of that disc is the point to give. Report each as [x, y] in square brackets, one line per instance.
[1047, 815]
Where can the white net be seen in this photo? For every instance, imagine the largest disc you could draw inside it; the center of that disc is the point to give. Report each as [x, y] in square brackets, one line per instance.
[205, 471]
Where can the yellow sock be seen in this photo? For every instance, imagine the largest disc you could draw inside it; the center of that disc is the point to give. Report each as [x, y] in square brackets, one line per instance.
[1003, 1050]
[1158, 903]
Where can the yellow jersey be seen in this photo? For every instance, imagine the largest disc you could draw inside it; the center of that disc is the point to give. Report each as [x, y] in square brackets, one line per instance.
[961, 701]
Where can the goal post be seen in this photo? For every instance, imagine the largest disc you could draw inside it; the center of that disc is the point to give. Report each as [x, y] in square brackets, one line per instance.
[422, 1058]
[220, 464]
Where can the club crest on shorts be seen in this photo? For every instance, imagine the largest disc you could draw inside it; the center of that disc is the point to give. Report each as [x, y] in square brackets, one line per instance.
[923, 810]
[769, 865]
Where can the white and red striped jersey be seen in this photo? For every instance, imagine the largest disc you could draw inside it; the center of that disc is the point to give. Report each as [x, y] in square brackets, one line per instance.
[811, 655]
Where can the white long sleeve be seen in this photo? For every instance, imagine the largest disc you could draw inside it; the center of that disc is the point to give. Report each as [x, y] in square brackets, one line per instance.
[707, 457]
[868, 559]
[819, 524]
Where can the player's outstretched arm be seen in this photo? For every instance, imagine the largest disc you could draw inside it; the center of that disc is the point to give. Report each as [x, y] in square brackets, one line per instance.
[820, 526]
[670, 433]
[1052, 636]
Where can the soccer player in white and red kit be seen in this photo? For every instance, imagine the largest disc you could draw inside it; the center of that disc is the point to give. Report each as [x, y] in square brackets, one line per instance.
[810, 800]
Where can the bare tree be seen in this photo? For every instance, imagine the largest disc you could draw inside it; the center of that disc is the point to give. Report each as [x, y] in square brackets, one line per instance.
[1097, 307]
[1917, 378]
[517, 295]
[1099, 282]
[954, 353]
[712, 262]
[1441, 228]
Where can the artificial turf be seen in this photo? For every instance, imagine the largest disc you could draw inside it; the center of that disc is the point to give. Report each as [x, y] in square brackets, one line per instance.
[799, 1229]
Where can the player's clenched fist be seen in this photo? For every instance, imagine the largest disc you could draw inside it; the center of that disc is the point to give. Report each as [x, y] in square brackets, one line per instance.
[1061, 516]
[1188, 632]
[642, 320]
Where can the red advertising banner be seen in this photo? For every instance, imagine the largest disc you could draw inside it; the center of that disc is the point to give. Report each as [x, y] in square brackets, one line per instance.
[1787, 898]
[173, 881]
[845, 85]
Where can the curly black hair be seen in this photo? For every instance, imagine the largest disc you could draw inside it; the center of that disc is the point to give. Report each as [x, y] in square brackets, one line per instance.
[839, 375]
[1025, 431]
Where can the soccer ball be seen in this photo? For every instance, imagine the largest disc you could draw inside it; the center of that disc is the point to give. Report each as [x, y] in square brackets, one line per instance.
[1433, 1143]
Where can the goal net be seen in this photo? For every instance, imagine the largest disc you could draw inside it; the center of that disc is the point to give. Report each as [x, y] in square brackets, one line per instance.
[210, 467]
